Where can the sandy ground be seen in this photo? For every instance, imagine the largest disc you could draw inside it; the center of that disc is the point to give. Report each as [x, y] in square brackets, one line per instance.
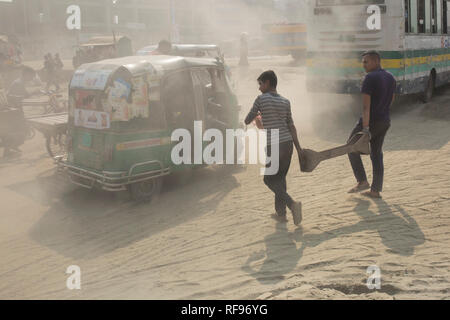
[210, 235]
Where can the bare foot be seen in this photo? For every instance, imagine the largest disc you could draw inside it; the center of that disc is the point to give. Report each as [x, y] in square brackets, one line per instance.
[361, 186]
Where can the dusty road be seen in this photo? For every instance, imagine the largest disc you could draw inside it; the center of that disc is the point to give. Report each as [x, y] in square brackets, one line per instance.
[212, 237]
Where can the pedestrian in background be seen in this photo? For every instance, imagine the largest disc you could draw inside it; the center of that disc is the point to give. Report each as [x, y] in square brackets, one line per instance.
[50, 70]
[243, 61]
[59, 65]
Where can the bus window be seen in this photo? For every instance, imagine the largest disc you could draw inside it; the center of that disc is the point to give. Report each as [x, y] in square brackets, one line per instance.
[439, 16]
[436, 16]
[433, 16]
[445, 16]
[422, 16]
[428, 16]
[407, 17]
[413, 22]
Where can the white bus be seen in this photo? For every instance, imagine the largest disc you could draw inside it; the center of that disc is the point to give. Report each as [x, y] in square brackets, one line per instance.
[412, 36]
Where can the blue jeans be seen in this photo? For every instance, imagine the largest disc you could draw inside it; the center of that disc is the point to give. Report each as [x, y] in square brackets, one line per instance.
[378, 131]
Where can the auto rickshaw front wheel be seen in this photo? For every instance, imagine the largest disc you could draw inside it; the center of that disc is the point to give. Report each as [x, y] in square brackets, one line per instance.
[146, 190]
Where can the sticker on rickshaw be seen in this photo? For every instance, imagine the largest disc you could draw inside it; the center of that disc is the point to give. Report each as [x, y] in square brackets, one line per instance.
[92, 119]
[139, 108]
[121, 89]
[90, 79]
[117, 103]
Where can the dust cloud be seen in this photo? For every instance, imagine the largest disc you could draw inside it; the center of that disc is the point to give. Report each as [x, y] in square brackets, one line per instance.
[208, 234]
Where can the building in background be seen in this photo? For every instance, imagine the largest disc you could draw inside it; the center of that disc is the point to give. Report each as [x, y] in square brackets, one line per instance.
[41, 24]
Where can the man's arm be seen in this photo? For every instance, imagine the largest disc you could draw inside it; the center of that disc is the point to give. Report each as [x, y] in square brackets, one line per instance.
[293, 130]
[366, 110]
[253, 113]
[294, 135]
[393, 96]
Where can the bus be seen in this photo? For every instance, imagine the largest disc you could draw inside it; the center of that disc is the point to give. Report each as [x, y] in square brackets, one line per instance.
[286, 39]
[412, 37]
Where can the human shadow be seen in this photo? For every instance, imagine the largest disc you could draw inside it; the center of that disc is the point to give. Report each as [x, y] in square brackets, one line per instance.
[85, 224]
[400, 233]
[281, 256]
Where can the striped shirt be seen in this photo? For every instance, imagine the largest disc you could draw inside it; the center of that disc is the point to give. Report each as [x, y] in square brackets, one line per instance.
[275, 113]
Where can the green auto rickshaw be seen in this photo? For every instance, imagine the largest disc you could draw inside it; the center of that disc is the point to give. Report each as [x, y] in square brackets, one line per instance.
[122, 113]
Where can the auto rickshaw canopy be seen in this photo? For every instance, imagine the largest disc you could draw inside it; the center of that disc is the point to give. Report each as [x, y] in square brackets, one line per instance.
[95, 75]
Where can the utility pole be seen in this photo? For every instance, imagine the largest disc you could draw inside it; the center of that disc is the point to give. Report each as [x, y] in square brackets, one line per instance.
[25, 18]
[171, 18]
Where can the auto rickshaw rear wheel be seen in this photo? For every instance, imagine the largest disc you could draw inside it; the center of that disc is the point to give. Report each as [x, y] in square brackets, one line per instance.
[56, 145]
[146, 190]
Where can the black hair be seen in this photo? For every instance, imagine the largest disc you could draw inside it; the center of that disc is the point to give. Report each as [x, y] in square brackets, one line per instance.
[372, 54]
[269, 76]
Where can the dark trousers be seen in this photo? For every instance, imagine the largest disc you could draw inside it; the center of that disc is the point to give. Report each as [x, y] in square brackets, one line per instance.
[277, 182]
[378, 131]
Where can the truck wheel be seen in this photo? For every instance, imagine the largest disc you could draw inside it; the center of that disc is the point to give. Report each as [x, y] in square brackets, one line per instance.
[429, 90]
[147, 190]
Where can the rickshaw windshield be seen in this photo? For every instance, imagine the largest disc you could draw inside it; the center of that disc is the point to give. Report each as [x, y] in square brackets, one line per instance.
[116, 101]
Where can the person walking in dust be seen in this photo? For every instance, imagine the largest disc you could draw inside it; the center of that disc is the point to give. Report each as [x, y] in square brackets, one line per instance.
[59, 65]
[274, 111]
[50, 68]
[243, 60]
[378, 91]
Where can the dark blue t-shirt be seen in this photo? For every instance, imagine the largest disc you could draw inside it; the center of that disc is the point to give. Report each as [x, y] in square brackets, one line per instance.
[380, 85]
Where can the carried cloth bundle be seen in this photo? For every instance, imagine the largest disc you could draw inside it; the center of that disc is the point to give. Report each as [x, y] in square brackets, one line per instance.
[310, 159]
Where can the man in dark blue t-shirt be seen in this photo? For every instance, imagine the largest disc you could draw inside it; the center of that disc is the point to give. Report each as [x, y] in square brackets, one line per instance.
[378, 91]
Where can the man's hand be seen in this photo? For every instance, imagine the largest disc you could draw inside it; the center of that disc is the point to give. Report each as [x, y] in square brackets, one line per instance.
[302, 160]
[294, 135]
[366, 130]
[258, 122]
[300, 154]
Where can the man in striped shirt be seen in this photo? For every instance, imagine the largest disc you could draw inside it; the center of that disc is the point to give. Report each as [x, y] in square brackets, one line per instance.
[275, 112]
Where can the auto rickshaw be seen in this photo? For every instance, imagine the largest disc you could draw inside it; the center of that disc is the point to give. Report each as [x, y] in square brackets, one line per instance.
[100, 48]
[122, 113]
